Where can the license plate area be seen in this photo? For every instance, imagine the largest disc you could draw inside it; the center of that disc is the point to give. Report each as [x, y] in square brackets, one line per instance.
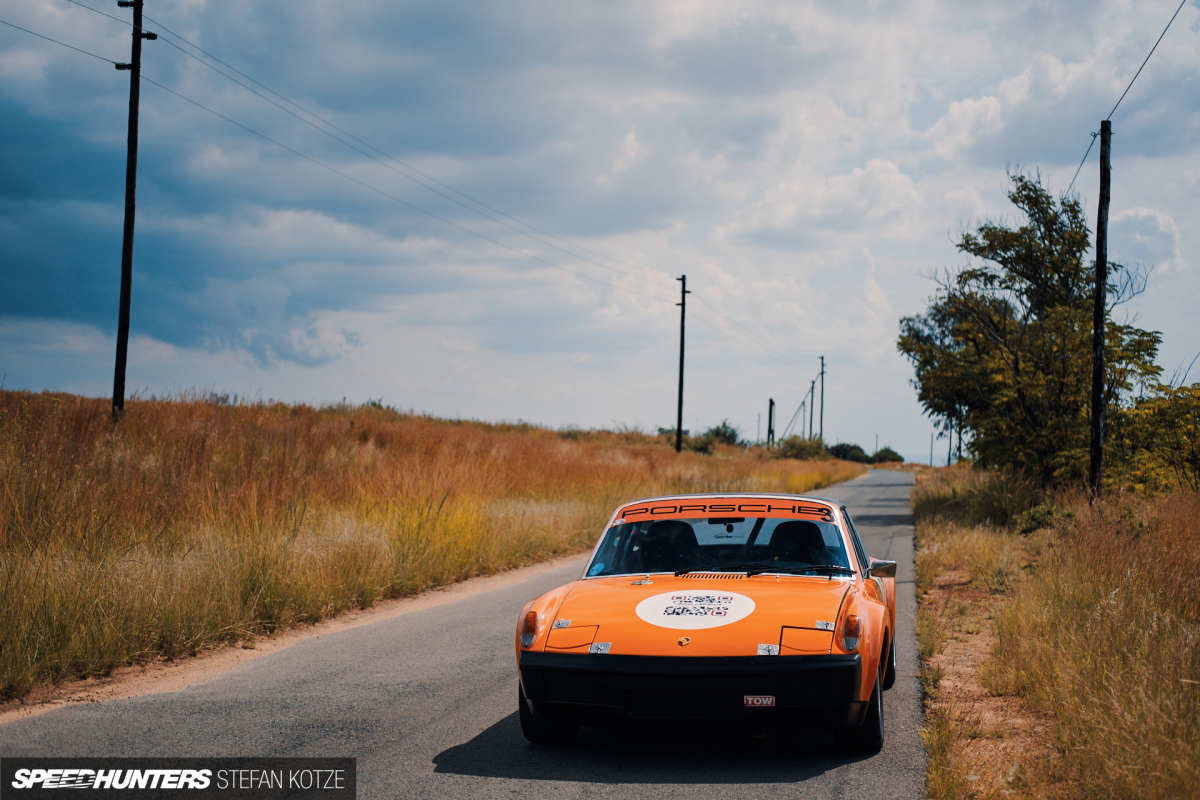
[758, 700]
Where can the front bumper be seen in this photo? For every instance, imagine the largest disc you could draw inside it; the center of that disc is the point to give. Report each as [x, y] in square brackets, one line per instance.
[816, 689]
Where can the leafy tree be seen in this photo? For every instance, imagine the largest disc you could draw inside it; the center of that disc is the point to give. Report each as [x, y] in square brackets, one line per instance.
[886, 454]
[1160, 439]
[723, 433]
[849, 452]
[1004, 350]
[948, 369]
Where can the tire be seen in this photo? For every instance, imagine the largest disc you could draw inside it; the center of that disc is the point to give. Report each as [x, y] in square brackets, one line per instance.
[540, 729]
[867, 738]
[889, 677]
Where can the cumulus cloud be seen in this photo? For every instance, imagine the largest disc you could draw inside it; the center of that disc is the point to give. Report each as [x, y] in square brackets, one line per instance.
[1146, 237]
[630, 152]
[1041, 112]
[805, 206]
[804, 164]
[1032, 113]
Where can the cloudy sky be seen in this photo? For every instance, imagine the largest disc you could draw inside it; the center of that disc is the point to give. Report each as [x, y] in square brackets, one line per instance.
[808, 166]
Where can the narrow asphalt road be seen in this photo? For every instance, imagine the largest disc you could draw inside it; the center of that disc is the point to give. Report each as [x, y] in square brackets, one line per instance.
[426, 702]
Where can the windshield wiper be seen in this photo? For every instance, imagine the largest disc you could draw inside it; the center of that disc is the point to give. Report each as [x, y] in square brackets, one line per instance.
[758, 569]
[838, 568]
[755, 568]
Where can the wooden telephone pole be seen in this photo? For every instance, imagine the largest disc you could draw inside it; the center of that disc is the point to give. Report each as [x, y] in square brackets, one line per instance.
[1096, 472]
[683, 293]
[812, 404]
[770, 422]
[822, 428]
[135, 74]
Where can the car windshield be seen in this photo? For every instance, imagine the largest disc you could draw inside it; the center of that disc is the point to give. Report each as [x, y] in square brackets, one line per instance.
[721, 544]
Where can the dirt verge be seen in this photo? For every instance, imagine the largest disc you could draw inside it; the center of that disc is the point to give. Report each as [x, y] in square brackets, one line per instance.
[982, 745]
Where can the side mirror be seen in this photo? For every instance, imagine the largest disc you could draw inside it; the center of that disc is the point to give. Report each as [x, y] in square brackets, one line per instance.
[882, 569]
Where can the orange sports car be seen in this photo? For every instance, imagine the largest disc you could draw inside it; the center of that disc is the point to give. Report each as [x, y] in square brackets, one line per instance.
[753, 607]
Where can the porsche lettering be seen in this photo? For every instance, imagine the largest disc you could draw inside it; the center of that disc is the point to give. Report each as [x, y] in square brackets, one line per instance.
[689, 509]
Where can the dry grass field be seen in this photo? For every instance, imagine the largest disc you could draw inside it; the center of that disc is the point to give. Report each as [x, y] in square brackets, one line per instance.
[192, 523]
[1060, 641]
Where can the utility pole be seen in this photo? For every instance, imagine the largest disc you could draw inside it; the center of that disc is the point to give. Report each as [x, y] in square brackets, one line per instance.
[822, 429]
[931, 448]
[683, 293]
[1096, 472]
[770, 421]
[803, 404]
[758, 428]
[812, 404]
[135, 74]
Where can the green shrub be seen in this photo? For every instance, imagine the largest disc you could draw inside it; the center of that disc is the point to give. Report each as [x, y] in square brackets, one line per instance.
[885, 455]
[849, 452]
[800, 448]
[723, 433]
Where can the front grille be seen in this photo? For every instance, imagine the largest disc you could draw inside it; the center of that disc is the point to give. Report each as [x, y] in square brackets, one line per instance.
[694, 687]
[715, 576]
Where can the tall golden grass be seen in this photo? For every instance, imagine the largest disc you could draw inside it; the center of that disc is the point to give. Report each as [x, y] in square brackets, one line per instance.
[1101, 631]
[964, 495]
[191, 523]
[1106, 638]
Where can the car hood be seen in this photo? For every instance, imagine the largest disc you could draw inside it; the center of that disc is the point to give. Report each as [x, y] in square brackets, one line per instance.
[695, 615]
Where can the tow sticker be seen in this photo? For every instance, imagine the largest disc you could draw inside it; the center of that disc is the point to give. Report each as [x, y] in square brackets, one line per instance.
[693, 609]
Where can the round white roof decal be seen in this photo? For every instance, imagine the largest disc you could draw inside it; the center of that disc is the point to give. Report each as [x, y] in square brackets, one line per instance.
[693, 609]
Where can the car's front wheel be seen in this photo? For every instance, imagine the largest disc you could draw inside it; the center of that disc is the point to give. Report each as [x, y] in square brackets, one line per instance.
[540, 729]
[867, 738]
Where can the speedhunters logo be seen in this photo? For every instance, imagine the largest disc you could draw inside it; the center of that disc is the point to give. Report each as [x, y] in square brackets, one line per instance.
[76, 778]
[262, 778]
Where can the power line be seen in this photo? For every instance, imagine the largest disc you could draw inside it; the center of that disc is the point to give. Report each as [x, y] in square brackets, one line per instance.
[341, 173]
[56, 41]
[276, 142]
[346, 140]
[377, 155]
[792, 421]
[410, 168]
[124, 22]
[1081, 163]
[312, 159]
[730, 320]
[1152, 49]
[371, 187]
[349, 139]
[1127, 88]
